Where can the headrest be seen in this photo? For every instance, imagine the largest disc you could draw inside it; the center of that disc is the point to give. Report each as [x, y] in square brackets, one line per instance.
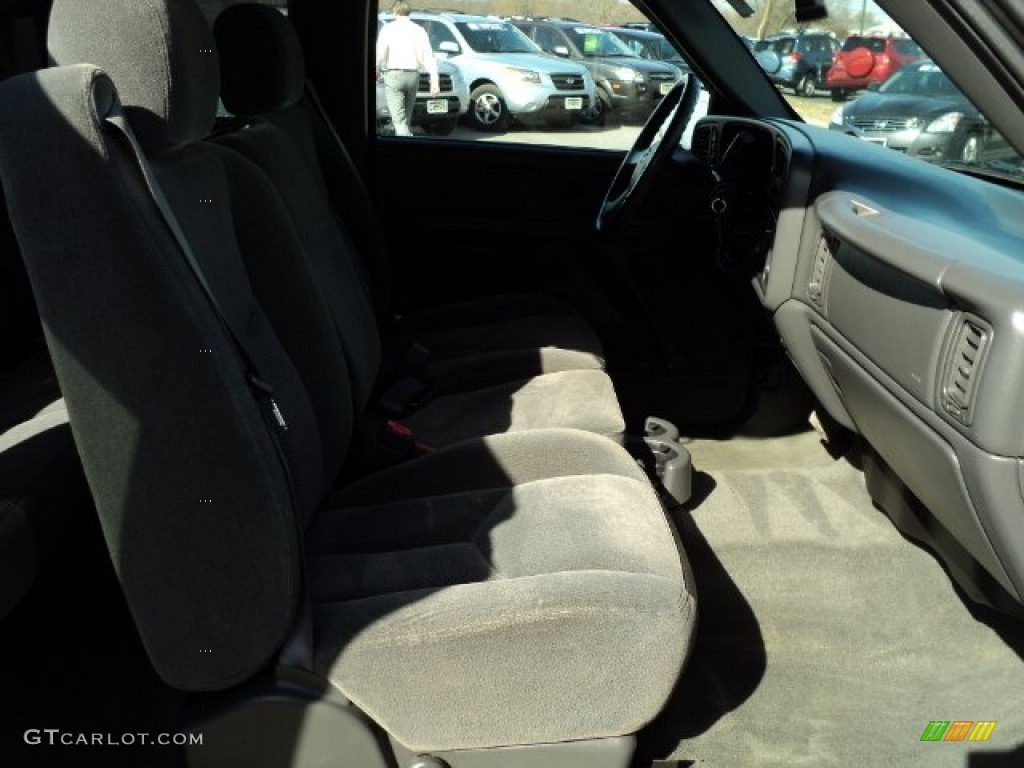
[160, 55]
[260, 60]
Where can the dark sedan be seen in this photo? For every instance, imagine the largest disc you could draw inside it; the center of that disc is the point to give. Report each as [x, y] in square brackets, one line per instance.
[921, 112]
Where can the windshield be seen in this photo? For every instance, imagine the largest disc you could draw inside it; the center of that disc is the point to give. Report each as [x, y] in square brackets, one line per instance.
[495, 37]
[877, 56]
[926, 80]
[597, 42]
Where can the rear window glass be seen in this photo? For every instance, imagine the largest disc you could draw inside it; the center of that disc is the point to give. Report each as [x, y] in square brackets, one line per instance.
[873, 44]
[781, 45]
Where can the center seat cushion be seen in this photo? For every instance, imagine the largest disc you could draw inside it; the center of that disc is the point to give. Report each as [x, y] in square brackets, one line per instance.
[263, 76]
[461, 599]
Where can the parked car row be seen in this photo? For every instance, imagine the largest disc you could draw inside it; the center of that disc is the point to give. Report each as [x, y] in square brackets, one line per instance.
[812, 61]
[494, 70]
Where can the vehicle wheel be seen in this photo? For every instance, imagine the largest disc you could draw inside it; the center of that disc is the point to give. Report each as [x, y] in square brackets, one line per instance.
[970, 152]
[805, 86]
[838, 94]
[488, 111]
[597, 112]
[440, 127]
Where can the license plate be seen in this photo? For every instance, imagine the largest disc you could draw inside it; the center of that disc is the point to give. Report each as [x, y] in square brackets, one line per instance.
[574, 102]
[665, 88]
[437, 106]
[879, 142]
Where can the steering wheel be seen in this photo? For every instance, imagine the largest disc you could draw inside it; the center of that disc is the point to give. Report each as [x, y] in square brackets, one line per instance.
[657, 141]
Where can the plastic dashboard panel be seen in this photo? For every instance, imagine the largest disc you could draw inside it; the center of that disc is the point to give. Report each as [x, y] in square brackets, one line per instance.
[898, 290]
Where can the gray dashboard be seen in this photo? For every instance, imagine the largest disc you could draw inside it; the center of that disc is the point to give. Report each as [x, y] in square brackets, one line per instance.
[897, 289]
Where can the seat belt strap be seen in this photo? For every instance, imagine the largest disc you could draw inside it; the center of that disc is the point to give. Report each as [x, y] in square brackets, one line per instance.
[324, 117]
[298, 648]
[260, 387]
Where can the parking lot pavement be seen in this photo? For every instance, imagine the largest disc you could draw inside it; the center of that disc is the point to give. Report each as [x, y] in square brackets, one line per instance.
[815, 110]
[609, 137]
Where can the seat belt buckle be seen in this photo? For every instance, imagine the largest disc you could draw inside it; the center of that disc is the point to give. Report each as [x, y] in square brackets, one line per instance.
[404, 396]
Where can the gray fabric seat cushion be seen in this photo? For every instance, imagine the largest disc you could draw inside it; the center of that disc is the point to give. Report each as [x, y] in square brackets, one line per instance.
[568, 399]
[545, 608]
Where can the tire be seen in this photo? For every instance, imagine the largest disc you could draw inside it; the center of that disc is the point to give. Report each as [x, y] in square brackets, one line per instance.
[597, 112]
[838, 94]
[441, 127]
[805, 86]
[970, 152]
[860, 62]
[487, 109]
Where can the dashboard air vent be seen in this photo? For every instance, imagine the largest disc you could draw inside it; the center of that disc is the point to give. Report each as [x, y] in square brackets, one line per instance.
[963, 370]
[819, 273]
[704, 144]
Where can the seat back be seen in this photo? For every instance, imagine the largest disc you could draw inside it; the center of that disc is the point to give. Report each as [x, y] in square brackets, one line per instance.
[195, 503]
[263, 76]
[265, 83]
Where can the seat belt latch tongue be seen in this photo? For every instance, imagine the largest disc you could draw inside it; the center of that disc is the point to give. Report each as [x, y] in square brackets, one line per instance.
[405, 395]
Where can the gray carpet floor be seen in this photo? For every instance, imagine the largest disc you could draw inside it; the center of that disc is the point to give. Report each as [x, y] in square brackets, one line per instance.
[826, 638]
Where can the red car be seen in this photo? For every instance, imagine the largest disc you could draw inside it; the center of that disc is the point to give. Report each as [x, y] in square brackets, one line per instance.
[868, 59]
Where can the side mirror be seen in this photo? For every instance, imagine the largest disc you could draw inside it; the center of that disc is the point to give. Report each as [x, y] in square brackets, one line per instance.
[874, 86]
[449, 47]
[561, 50]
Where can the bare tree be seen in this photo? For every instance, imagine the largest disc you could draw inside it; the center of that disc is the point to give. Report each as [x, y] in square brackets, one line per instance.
[772, 16]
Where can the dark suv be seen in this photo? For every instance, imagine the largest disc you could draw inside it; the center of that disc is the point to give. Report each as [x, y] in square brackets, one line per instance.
[798, 61]
[864, 60]
[626, 84]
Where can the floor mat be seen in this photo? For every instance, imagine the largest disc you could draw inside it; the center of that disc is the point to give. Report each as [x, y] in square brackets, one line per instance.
[825, 637]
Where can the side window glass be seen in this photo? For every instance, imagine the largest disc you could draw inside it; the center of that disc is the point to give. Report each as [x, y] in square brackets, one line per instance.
[506, 78]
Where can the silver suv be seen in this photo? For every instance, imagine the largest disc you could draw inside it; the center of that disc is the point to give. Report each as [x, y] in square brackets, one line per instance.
[508, 75]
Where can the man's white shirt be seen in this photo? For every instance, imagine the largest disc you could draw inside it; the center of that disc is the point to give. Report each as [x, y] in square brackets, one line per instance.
[403, 44]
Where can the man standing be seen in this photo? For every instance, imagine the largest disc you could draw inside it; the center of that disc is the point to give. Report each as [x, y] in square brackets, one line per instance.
[403, 49]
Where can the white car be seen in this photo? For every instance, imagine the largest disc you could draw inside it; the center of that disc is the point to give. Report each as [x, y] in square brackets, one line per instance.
[508, 75]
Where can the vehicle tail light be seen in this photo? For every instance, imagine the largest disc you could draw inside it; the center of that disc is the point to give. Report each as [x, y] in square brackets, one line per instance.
[794, 58]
